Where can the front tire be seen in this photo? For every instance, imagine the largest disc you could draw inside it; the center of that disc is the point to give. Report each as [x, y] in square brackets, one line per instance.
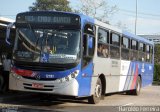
[96, 97]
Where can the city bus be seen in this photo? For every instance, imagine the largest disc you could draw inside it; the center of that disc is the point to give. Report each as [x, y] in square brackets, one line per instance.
[71, 54]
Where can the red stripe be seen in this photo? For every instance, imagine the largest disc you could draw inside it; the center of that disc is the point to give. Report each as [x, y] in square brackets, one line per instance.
[135, 78]
[22, 72]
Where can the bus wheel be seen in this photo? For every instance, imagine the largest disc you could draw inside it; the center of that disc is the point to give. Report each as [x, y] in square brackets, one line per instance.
[137, 90]
[96, 97]
[138, 87]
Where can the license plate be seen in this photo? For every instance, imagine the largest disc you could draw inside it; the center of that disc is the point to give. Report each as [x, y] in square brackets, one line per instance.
[37, 85]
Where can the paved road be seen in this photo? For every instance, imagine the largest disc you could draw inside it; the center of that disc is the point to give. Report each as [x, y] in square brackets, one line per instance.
[150, 96]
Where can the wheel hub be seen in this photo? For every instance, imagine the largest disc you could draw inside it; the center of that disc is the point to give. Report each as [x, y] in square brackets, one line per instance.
[98, 91]
[138, 87]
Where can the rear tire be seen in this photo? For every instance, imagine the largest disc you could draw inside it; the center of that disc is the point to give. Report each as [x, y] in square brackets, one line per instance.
[138, 87]
[96, 97]
[137, 90]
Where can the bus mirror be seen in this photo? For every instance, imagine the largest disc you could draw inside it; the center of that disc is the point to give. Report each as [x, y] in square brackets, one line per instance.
[85, 44]
[8, 33]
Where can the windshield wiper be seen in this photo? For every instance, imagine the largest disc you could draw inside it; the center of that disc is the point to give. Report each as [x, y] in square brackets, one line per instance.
[33, 34]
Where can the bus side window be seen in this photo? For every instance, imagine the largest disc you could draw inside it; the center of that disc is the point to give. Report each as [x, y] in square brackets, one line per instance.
[115, 46]
[142, 54]
[103, 46]
[148, 53]
[134, 50]
[125, 48]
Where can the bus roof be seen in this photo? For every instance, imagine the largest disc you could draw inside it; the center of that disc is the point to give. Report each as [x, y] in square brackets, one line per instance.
[110, 27]
[139, 38]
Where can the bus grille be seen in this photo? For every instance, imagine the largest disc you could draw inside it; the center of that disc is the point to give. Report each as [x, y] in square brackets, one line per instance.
[41, 79]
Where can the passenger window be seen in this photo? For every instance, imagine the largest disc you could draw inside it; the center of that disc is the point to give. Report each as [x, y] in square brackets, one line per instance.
[134, 50]
[134, 45]
[125, 42]
[148, 53]
[103, 36]
[103, 46]
[115, 39]
[125, 48]
[102, 50]
[142, 54]
[141, 46]
[114, 47]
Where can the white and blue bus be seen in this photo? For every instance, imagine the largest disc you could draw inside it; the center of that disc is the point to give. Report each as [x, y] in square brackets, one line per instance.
[73, 54]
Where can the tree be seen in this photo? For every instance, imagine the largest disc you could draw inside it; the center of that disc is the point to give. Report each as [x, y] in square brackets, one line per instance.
[100, 9]
[157, 54]
[58, 5]
[157, 62]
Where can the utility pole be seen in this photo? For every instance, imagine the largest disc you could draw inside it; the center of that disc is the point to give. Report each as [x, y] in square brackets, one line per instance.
[136, 19]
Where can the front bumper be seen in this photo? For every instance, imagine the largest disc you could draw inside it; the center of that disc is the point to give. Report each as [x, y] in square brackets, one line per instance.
[52, 87]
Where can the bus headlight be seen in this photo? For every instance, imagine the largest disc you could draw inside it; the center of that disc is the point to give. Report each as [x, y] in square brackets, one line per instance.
[69, 77]
[73, 75]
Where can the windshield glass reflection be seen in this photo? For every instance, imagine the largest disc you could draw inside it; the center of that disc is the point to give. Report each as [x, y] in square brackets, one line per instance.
[47, 45]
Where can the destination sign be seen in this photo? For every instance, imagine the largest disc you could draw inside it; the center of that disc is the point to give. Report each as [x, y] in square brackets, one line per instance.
[47, 19]
[50, 18]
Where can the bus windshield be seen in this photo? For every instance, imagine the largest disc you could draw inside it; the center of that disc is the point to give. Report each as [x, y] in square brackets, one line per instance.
[47, 45]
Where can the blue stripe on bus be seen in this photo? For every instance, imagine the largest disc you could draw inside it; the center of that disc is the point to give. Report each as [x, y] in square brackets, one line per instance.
[84, 80]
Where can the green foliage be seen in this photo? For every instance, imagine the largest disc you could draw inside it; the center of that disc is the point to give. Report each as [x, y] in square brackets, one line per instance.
[57, 5]
[157, 54]
[157, 63]
[157, 72]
